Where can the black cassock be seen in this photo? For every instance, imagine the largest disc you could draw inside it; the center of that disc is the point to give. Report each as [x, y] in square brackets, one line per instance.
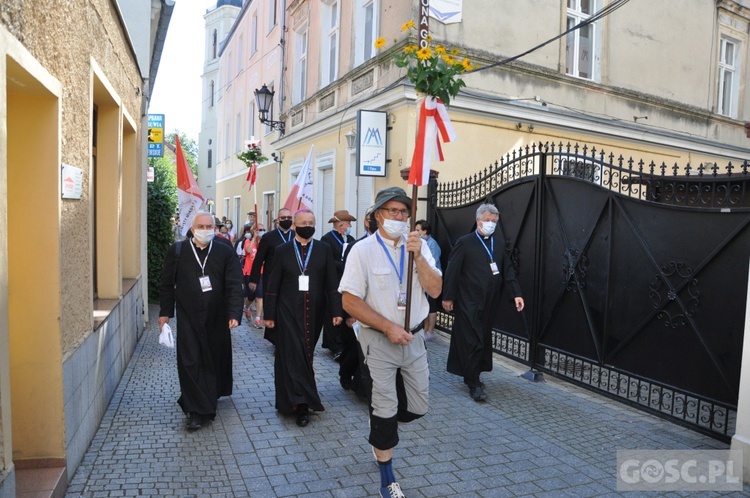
[475, 291]
[204, 344]
[299, 316]
[332, 334]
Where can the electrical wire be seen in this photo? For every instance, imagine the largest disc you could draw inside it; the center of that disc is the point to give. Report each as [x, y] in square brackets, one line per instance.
[616, 4]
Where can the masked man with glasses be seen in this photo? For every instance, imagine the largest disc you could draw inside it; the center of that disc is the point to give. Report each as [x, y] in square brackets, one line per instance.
[477, 268]
[374, 292]
[264, 258]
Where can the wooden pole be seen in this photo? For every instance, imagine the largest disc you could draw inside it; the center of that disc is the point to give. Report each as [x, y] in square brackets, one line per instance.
[409, 275]
[422, 34]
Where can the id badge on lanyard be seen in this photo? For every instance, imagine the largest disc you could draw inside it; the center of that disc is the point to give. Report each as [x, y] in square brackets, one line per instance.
[205, 283]
[304, 283]
[401, 304]
[493, 267]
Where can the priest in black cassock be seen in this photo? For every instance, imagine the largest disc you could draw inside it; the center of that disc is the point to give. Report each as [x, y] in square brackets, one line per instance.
[339, 239]
[203, 279]
[301, 282]
[477, 267]
[264, 259]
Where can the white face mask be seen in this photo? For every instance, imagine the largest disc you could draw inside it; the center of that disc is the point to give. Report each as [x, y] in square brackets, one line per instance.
[203, 236]
[261, 233]
[395, 228]
[248, 236]
[488, 227]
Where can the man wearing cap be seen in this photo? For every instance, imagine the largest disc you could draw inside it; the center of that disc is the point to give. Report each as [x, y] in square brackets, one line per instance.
[339, 239]
[374, 292]
[264, 257]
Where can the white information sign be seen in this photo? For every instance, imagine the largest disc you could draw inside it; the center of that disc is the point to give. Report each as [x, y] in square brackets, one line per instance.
[371, 143]
[446, 11]
[71, 182]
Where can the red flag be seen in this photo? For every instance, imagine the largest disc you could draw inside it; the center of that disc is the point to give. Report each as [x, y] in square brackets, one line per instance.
[189, 196]
[302, 192]
[433, 118]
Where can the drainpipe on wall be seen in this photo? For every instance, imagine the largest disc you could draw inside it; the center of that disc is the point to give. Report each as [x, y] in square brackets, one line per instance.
[282, 42]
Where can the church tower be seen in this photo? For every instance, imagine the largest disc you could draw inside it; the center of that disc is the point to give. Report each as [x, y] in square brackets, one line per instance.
[219, 21]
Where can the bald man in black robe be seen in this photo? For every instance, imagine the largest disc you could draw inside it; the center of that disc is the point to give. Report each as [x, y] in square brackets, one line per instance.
[204, 281]
[303, 280]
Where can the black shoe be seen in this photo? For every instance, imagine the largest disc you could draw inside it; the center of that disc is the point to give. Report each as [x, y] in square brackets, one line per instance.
[194, 422]
[346, 383]
[477, 393]
[303, 417]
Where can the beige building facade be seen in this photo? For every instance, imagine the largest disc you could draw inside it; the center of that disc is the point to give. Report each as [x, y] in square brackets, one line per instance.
[73, 102]
[628, 83]
[625, 85]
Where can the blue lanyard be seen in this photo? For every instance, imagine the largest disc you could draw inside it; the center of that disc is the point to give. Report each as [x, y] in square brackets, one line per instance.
[299, 258]
[282, 235]
[393, 263]
[335, 236]
[492, 244]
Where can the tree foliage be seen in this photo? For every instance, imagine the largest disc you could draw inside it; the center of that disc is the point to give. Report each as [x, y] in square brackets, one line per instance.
[162, 207]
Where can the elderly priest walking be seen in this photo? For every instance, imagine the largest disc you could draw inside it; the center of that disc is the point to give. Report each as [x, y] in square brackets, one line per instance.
[204, 280]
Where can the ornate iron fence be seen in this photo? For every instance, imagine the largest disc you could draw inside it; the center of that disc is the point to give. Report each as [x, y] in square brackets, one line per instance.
[645, 252]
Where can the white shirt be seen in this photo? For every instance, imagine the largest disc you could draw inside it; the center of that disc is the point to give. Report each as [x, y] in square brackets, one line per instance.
[370, 275]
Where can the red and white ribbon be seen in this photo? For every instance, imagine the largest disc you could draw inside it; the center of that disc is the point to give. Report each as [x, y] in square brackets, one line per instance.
[433, 118]
[252, 174]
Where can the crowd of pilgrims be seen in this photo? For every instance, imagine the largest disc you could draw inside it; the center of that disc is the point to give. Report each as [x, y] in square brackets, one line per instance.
[273, 272]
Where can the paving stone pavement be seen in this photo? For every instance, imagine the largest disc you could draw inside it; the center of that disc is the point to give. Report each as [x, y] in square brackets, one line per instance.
[545, 439]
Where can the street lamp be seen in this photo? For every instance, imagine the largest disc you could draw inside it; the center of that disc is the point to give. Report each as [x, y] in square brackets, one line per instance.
[351, 139]
[264, 100]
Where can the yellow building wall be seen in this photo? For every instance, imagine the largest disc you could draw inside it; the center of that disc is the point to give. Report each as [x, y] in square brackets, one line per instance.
[34, 277]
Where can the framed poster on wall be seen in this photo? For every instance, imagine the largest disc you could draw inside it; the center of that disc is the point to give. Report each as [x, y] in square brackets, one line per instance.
[371, 143]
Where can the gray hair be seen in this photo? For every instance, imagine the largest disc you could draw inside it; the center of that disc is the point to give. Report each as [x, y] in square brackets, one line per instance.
[302, 211]
[204, 213]
[487, 208]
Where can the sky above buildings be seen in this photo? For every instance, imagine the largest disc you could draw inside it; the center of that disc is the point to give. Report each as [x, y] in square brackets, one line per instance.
[177, 93]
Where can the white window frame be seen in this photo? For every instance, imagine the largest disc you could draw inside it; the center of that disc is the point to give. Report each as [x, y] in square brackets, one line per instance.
[240, 54]
[329, 52]
[226, 206]
[212, 92]
[229, 69]
[237, 214]
[727, 105]
[365, 34]
[576, 15]
[238, 141]
[272, 14]
[254, 34]
[251, 121]
[227, 138]
[301, 44]
[270, 214]
[323, 161]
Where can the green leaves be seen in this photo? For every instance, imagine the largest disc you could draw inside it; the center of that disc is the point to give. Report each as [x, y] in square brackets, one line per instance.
[161, 206]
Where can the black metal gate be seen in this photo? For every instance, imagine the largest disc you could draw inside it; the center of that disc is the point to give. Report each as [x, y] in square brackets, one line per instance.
[635, 275]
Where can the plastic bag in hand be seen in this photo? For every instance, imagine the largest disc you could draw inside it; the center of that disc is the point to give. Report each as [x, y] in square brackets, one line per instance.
[166, 338]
